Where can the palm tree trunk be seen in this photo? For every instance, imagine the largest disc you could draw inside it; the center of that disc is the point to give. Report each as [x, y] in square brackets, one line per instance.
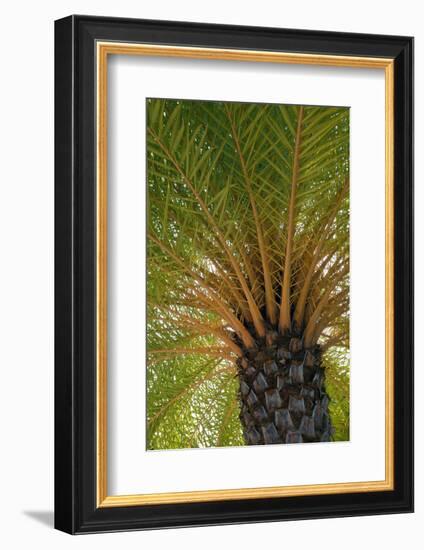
[282, 393]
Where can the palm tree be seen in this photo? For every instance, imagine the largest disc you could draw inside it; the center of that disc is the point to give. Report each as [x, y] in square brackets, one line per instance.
[248, 273]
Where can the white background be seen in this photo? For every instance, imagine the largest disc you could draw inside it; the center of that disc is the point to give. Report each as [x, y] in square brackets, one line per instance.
[131, 80]
[26, 289]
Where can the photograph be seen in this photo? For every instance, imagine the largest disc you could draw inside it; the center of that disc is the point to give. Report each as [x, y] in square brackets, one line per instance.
[247, 273]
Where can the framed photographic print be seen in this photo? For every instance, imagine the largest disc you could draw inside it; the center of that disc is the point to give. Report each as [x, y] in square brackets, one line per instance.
[234, 269]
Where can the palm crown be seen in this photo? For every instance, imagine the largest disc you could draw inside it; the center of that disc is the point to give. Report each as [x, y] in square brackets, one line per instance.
[248, 242]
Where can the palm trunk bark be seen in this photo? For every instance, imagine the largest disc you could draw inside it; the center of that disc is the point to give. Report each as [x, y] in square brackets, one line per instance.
[282, 393]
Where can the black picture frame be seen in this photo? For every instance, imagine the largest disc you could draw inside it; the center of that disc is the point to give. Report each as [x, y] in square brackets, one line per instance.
[76, 510]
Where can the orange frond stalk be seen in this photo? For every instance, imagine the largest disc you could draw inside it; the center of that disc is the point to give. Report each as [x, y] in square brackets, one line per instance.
[285, 320]
[269, 293]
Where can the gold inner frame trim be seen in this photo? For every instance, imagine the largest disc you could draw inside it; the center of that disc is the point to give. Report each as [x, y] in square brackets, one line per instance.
[103, 50]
